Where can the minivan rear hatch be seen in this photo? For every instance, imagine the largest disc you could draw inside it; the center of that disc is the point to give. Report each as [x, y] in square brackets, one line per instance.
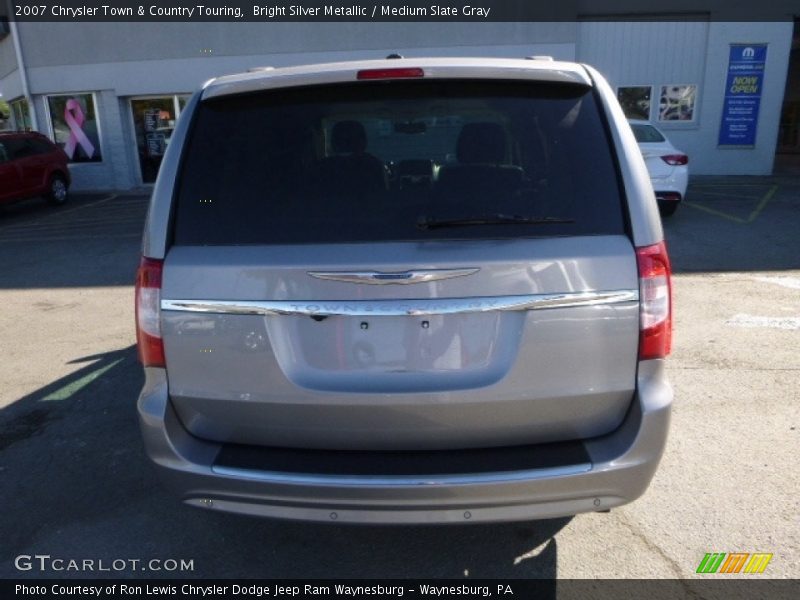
[405, 264]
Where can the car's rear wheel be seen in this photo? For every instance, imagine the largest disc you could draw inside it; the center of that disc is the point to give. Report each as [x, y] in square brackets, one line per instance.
[667, 209]
[57, 190]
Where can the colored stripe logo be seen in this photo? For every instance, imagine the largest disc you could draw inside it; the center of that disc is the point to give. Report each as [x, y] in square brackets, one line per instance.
[734, 562]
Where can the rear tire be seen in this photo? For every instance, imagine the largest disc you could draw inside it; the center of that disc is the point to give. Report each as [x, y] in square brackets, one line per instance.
[667, 210]
[57, 190]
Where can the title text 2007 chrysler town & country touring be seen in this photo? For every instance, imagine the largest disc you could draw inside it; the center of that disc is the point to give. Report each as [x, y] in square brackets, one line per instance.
[405, 291]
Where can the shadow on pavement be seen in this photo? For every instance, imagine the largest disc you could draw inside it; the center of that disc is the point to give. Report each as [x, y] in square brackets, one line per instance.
[76, 485]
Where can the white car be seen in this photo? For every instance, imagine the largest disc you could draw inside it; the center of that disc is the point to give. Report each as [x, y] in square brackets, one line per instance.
[668, 166]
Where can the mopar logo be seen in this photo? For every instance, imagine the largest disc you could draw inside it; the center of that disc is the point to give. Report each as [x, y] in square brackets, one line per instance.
[748, 53]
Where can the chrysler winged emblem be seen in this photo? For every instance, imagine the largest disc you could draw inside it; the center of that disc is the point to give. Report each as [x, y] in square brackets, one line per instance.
[392, 278]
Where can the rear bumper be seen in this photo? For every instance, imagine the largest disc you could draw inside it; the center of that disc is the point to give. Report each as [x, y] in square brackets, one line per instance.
[676, 182]
[619, 469]
[668, 197]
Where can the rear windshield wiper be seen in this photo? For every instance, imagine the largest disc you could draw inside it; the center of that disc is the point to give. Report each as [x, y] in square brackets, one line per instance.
[493, 219]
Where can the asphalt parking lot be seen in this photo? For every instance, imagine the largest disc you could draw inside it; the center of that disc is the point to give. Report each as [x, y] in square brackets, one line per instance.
[74, 481]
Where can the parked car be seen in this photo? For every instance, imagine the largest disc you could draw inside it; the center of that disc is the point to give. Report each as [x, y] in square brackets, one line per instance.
[478, 336]
[31, 165]
[667, 166]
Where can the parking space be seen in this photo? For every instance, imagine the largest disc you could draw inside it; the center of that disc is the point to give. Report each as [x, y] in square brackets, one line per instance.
[76, 483]
[83, 220]
[736, 224]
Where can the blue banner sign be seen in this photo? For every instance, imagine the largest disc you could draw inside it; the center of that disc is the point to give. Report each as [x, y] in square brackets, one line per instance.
[742, 94]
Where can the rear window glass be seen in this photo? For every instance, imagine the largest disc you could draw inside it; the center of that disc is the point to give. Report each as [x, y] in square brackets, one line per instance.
[647, 134]
[382, 161]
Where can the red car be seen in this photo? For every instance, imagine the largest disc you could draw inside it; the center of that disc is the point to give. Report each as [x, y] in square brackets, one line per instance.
[31, 165]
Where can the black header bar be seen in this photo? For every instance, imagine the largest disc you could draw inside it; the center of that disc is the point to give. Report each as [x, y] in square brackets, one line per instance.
[401, 11]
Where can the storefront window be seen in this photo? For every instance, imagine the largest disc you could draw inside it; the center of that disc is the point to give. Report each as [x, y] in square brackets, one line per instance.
[635, 101]
[677, 103]
[21, 114]
[153, 123]
[73, 120]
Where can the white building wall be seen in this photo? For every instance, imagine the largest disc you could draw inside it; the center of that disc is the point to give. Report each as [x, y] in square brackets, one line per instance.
[72, 43]
[656, 54]
[634, 53]
[11, 85]
[759, 159]
[10, 82]
[126, 60]
[8, 59]
[185, 75]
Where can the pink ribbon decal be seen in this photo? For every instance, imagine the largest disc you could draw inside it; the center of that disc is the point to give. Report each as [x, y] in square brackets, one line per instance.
[73, 115]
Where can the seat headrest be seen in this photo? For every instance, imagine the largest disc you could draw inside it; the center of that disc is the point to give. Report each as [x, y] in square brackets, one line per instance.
[348, 137]
[481, 143]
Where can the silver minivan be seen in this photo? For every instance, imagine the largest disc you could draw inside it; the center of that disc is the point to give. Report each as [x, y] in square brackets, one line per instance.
[405, 291]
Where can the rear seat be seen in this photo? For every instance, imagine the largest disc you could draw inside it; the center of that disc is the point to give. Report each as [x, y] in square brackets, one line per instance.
[351, 172]
[481, 154]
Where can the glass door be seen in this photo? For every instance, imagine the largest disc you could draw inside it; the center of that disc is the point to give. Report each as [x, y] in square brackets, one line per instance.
[153, 123]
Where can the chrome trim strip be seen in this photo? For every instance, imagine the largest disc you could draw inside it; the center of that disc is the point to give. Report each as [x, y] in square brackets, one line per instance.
[401, 480]
[396, 308]
[392, 278]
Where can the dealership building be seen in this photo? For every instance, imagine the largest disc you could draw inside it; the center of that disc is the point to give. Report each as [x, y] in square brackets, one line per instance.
[726, 93]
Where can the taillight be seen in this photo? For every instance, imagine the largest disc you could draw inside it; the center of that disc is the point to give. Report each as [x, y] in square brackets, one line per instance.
[148, 313]
[675, 159]
[655, 291]
[400, 73]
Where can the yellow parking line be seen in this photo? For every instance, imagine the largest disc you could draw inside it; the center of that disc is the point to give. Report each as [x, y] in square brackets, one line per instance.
[719, 185]
[753, 215]
[712, 211]
[729, 195]
[767, 197]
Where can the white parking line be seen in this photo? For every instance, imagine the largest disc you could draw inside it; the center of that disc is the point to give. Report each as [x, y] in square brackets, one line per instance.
[743, 320]
[784, 281]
